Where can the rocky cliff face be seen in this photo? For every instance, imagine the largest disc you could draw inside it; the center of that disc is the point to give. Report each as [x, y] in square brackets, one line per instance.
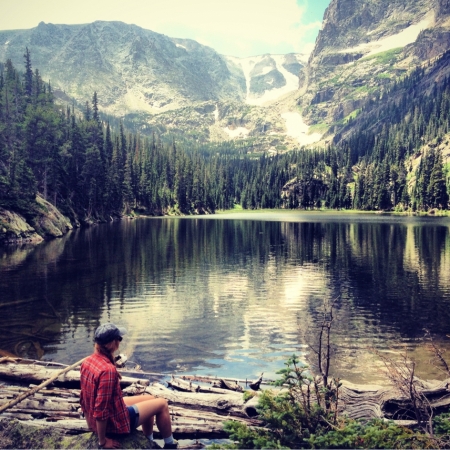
[442, 8]
[45, 222]
[136, 70]
[164, 82]
[364, 45]
[179, 85]
[131, 69]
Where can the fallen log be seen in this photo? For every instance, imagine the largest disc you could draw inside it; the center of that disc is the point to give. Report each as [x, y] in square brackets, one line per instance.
[373, 401]
[183, 385]
[41, 414]
[198, 378]
[47, 410]
[199, 415]
[33, 390]
[24, 372]
[231, 403]
[55, 393]
[229, 385]
[201, 411]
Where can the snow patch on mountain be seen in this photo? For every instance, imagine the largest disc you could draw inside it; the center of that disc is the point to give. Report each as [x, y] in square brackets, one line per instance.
[237, 132]
[247, 65]
[298, 129]
[402, 39]
[253, 67]
[274, 94]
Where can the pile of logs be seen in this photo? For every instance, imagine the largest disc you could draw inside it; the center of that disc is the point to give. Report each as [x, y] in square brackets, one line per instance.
[197, 412]
[198, 405]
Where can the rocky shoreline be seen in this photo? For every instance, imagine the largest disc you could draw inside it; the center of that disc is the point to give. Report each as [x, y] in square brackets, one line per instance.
[44, 223]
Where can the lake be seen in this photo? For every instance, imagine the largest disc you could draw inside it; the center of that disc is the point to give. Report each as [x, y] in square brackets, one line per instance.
[236, 294]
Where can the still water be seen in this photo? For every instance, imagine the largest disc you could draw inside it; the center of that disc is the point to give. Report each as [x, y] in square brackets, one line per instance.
[234, 295]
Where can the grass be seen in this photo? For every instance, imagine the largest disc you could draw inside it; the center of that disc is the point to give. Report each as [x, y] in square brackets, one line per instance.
[318, 128]
[352, 115]
[387, 57]
[328, 211]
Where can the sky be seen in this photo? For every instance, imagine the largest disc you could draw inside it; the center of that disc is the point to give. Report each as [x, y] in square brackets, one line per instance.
[231, 27]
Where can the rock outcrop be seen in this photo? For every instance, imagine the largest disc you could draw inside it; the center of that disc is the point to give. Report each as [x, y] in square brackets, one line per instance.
[14, 229]
[44, 222]
[365, 44]
[16, 434]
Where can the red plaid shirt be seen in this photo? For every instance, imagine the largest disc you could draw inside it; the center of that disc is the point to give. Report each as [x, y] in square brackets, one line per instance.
[101, 397]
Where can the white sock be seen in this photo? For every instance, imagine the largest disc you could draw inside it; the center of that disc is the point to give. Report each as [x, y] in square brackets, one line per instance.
[150, 437]
[169, 440]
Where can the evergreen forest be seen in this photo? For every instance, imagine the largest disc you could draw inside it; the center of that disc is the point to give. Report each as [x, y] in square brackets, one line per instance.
[91, 170]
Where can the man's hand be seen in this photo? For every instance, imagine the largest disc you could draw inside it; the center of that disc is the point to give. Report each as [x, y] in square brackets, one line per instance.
[111, 443]
[102, 439]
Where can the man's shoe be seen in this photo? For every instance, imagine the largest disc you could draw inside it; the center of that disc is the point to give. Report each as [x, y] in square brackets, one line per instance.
[154, 444]
[174, 444]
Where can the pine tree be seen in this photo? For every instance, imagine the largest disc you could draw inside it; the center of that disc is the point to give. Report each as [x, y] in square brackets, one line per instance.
[437, 188]
[28, 75]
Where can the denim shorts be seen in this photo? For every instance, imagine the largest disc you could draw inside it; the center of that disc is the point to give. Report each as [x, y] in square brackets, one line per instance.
[134, 416]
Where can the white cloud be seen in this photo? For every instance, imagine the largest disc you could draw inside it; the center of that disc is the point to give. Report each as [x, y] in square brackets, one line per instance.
[268, 23]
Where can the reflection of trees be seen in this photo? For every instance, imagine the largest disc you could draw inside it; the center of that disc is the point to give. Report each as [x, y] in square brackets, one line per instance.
[24, 285]
[366, 262]
[393, 281]
[390, 277]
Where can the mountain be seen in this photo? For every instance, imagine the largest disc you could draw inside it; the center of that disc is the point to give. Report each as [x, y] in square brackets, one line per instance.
[273, 102]
[131, 69]
[376, 88]
[152, 77]
[364, 46]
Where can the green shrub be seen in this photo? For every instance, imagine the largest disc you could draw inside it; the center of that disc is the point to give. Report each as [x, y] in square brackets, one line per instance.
[441, 426]
[304, 415]
[375, 433]
[245, 437]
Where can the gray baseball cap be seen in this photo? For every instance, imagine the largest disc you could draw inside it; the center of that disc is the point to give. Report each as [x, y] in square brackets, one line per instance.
[108, 332]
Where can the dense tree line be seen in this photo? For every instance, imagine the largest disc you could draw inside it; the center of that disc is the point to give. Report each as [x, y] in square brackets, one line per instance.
[91, 170]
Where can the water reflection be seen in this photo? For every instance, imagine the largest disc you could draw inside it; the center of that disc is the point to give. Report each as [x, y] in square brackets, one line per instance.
[229, 296]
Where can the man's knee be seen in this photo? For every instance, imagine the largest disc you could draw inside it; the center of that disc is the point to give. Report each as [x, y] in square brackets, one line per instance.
[164, 403]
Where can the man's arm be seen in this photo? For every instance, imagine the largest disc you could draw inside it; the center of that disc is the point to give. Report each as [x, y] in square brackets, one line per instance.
[101, 432]
[103, 441]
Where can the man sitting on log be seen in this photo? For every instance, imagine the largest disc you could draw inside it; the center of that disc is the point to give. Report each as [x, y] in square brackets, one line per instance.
[102, 401]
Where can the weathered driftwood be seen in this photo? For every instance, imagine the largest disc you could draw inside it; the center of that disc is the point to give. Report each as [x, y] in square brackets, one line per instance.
[225, 384]
[183, 385]
[362, 402]
[231, 403]
[199, 378]
[35, 389]
[197, 414]
[36, 373]
[54, 392]
[47, 409]
[188, 386]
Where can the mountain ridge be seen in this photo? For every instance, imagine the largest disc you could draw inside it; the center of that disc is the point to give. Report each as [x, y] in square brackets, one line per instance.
[159, 81]
[150, 76]
[362, 47]
[136, 69]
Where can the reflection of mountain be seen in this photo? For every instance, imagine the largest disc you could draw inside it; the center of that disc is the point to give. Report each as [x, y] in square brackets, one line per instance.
[198, 292]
